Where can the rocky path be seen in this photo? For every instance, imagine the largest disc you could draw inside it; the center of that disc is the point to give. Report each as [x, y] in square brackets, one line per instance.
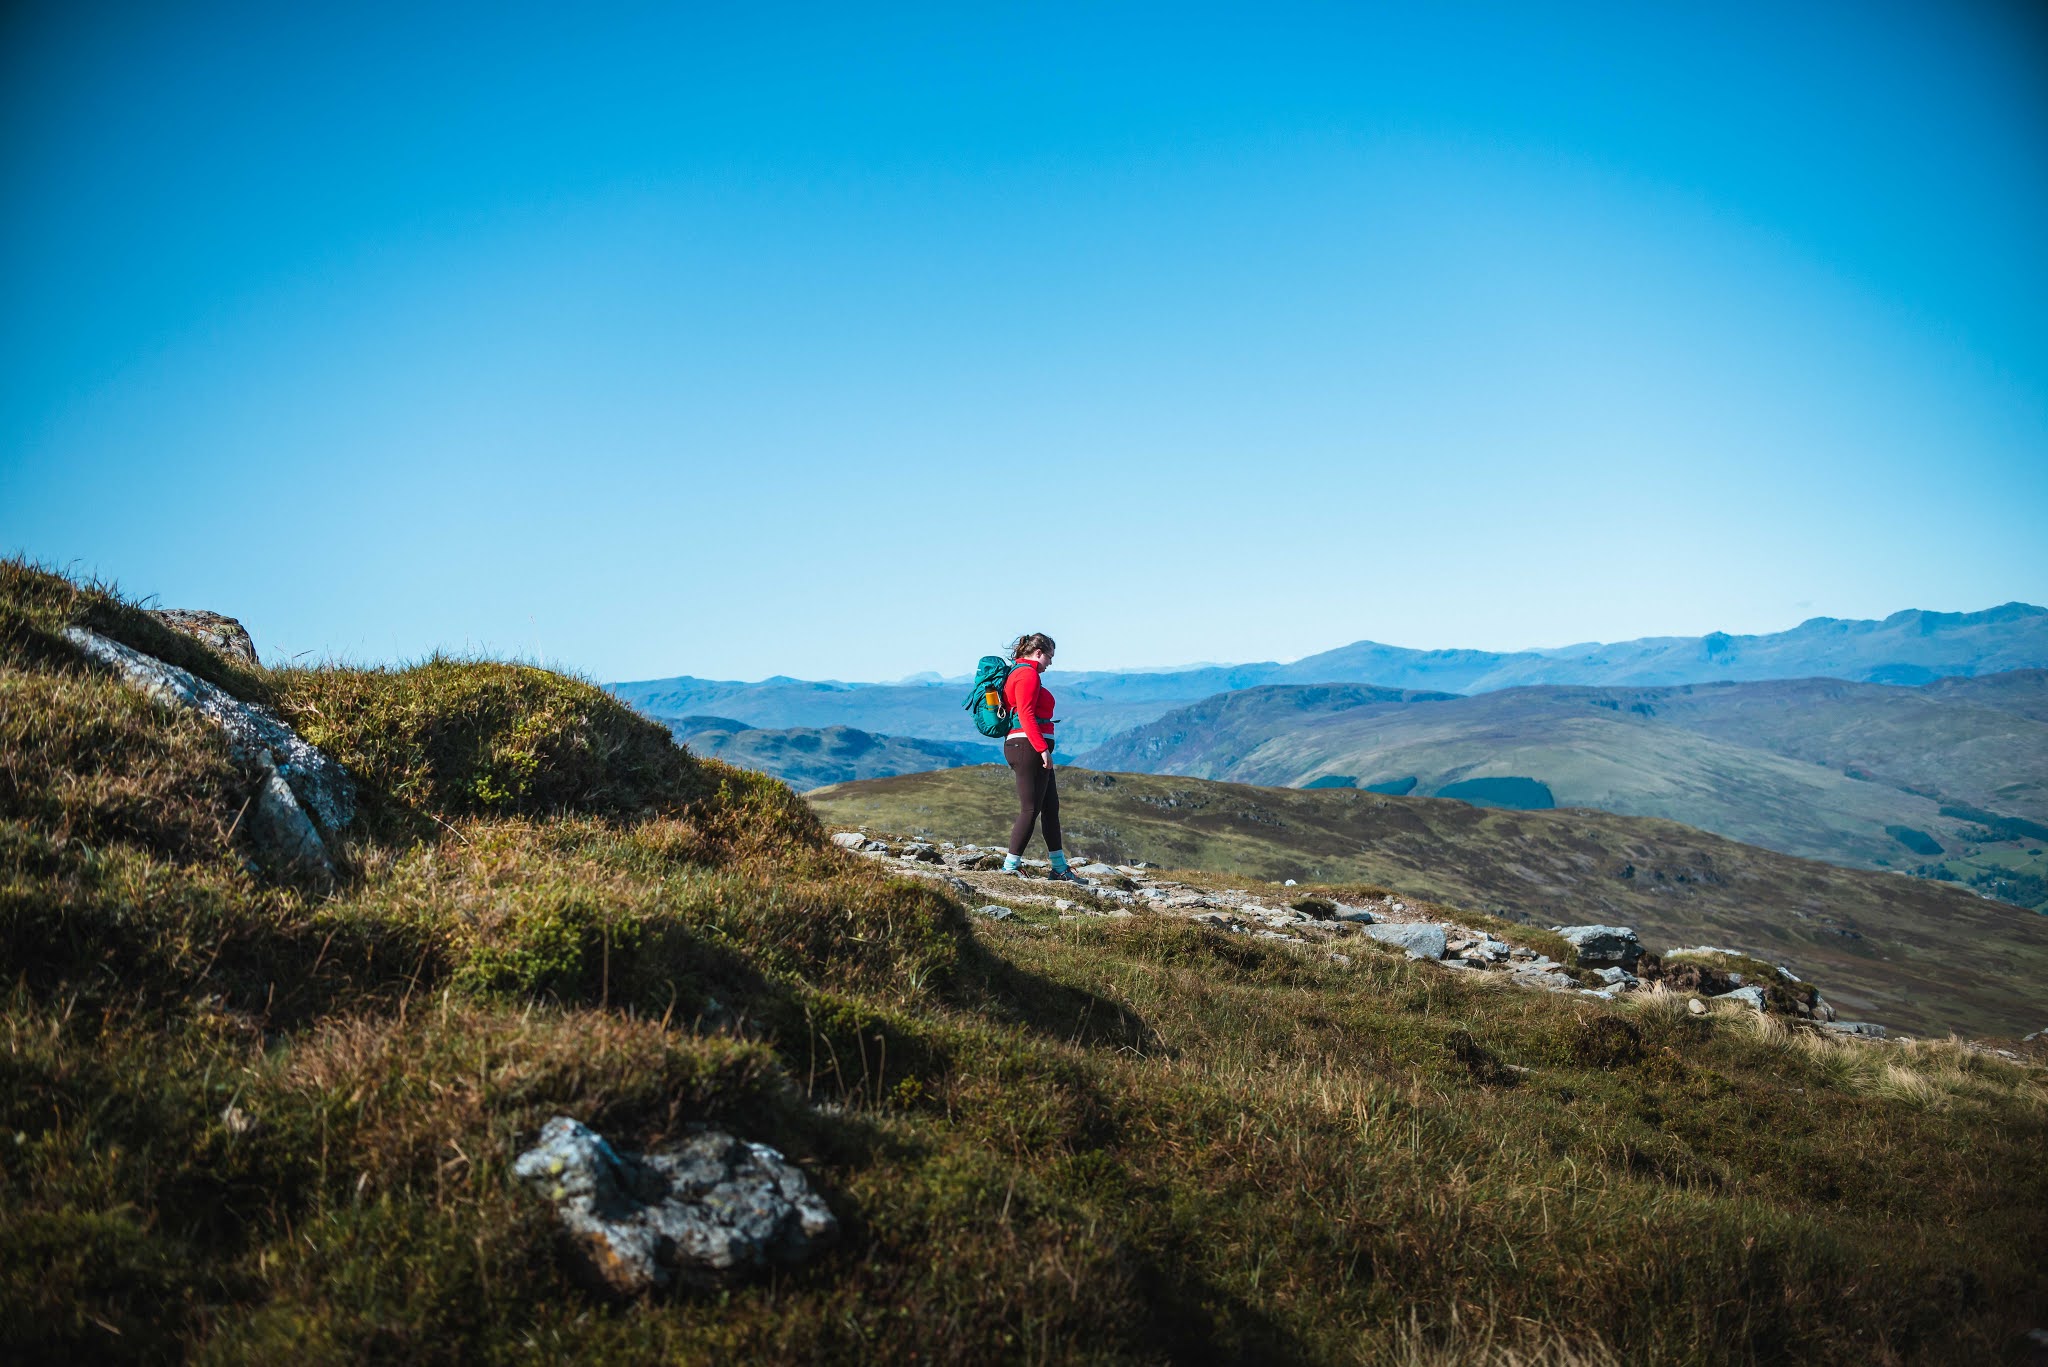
[1607, 955]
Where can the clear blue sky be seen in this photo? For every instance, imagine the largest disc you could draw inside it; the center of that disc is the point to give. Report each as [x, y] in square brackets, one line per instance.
[849, 340]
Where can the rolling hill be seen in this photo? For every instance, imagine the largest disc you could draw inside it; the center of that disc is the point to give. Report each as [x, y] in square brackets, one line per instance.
[805, 756]
[1914, 954]
[1864, 774]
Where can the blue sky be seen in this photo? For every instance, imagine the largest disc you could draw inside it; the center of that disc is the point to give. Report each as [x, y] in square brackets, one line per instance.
[848, 341]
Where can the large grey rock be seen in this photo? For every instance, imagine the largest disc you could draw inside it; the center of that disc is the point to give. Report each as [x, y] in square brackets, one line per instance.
[1422, 940]
[851, 840]
[710, 1206]
[297, 784]
[320, 785]
[1751, 997]
[224, 636]
[1599, 946]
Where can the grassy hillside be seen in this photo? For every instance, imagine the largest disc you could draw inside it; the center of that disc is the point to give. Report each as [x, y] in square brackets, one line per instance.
[244, 1122]
[1859, 774]
[805, 757]
[1926, 957]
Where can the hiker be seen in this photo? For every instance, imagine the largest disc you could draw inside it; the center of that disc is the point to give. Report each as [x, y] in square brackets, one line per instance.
[1028, 750]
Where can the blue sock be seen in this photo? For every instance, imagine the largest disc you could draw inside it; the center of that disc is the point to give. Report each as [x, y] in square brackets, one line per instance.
[1059, 860]
[1009, 863]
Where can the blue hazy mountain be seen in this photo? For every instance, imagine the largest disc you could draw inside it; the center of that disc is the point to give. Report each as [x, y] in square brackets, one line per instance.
[1913, 647]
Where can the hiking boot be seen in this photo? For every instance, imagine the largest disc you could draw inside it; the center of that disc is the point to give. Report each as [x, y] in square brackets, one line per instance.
[1067, 876]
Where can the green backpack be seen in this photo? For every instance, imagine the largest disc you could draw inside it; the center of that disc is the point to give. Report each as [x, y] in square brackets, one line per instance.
[992, 715]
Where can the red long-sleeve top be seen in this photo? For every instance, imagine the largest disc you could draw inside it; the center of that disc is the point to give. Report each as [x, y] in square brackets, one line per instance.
[1028, 698]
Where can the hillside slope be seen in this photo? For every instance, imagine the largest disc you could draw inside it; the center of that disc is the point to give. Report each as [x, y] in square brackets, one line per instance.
[250, 1121]
[1906, 952]
[1861, 774]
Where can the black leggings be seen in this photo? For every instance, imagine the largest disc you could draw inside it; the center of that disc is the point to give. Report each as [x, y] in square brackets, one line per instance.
[1038, 796]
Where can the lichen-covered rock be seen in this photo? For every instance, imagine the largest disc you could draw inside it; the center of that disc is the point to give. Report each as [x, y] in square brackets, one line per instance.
[710, 1206]
[297, 784]
[318, 782]
[1599, 946]
[222, 635]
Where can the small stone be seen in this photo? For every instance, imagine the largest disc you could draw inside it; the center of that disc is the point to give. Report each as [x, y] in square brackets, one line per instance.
[851, 840]
[1695, 1006]
[994, 912]
[222, 635]
[235, 1120]
[1355, 915]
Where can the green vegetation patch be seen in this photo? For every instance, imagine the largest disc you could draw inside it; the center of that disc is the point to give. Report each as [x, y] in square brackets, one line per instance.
[1919, 842]
[454, 738]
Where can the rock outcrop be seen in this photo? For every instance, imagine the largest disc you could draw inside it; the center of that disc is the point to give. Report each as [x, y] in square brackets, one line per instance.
[709, 1207]
[297, 784]
[223, 636]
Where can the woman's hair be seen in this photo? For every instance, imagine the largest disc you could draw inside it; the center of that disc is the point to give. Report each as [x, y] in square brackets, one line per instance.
[1030, 643]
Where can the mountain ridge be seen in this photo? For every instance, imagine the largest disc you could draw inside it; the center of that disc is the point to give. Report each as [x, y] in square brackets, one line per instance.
[1908, 647]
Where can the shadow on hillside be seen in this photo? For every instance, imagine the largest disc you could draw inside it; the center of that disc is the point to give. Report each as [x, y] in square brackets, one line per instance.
[998, 989]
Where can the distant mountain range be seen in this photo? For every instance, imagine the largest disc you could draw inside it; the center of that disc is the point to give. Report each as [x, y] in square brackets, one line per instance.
[1917, 743]
[1906, 648]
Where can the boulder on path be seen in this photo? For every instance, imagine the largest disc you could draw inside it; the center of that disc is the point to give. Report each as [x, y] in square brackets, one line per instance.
[709, 1207]
[1599, 946]
[1422, 940]
[223, 636]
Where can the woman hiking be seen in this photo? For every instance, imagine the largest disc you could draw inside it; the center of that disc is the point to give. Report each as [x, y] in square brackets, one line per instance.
[1028, 749]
